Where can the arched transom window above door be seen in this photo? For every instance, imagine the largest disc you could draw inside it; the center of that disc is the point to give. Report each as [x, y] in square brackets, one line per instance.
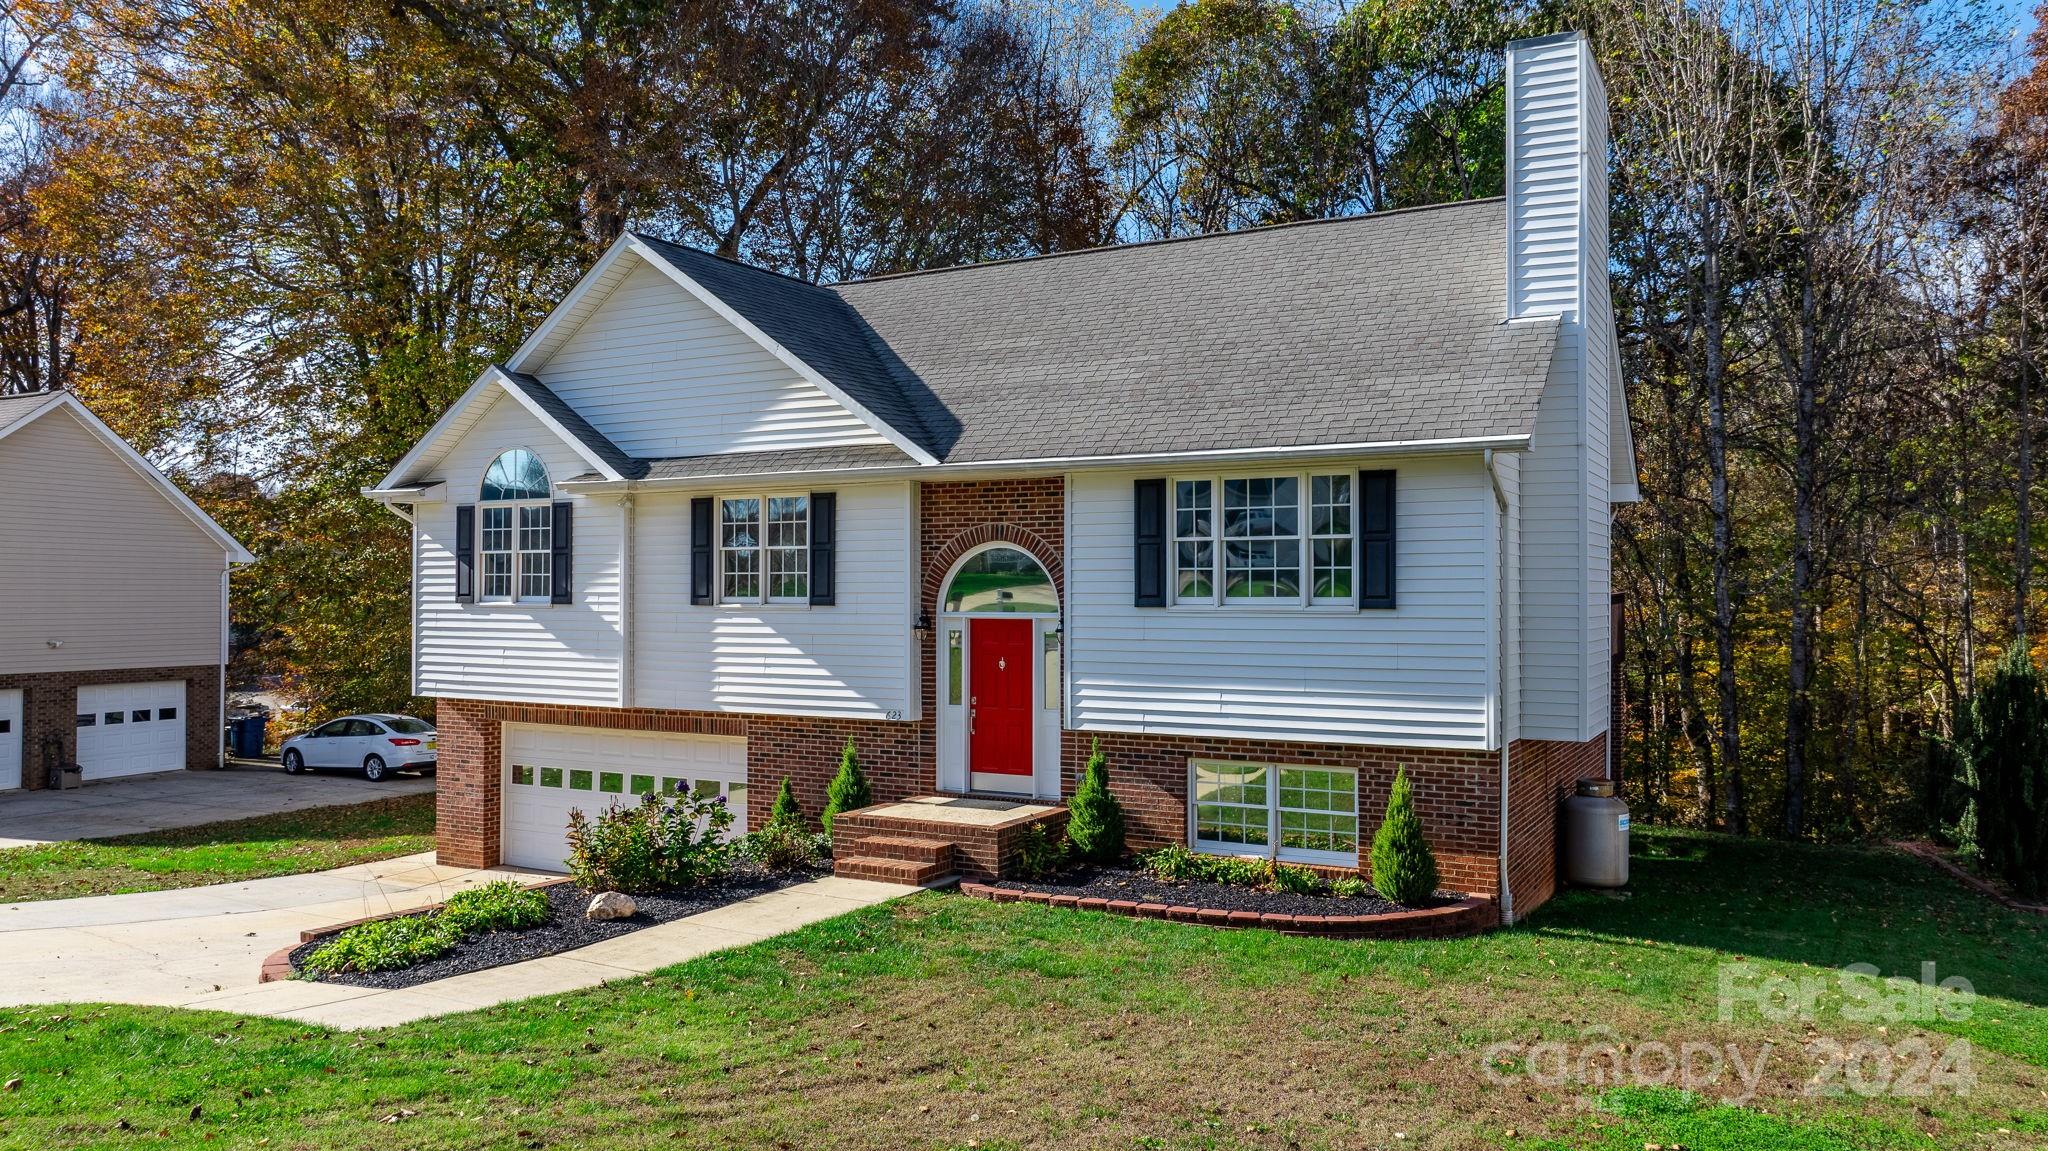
[516, 529]
[1001, 580]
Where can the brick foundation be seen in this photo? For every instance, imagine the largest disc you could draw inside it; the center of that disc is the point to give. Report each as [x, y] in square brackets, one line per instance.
[1456, 792]
[1540, 773]
[50, 707]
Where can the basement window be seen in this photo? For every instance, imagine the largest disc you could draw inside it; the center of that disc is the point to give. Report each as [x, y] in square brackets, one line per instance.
[1291, 813]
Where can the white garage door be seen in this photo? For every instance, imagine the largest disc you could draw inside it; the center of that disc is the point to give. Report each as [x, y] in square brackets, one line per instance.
[10, 739]
[131, 728]
[551, 770]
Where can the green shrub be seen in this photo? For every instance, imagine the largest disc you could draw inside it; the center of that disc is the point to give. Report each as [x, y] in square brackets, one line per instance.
[785, 810]
[1403, 866]
[1174, 863]
[848, 791]
[392, 943]
[1095, 821]
[1297, 881]
[384, 945]
[2003, 751]
[660, 844]
[498, 906]
[1350, 887]
[1240, 872]
[1040, 853]
[781, 847]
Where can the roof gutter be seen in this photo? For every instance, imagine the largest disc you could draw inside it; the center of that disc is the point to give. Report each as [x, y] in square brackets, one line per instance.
[973, 468]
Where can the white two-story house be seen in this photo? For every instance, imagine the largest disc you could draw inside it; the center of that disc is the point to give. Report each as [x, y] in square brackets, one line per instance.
[1267, 513]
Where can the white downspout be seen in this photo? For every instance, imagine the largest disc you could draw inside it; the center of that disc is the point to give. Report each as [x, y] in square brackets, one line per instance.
[1500, 680]
[626, 533]
[220, 722]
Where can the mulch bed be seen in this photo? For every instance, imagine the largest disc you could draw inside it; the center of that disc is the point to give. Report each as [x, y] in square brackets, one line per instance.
[565, 930]
[1140, 895]
[1144, 887]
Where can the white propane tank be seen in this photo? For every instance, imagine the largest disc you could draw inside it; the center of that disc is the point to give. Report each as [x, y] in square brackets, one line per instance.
[1596, 836]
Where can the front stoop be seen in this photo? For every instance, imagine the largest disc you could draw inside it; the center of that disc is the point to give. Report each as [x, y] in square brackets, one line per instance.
[933, 839]
[906, 859]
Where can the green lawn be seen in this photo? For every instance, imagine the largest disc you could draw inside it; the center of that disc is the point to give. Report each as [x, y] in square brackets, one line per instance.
[267, 845]
[944, 1022]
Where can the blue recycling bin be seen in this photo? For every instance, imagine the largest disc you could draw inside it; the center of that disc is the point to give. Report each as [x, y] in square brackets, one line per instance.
[248, 733]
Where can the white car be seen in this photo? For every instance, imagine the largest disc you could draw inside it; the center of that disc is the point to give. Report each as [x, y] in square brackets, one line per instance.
[375, 745]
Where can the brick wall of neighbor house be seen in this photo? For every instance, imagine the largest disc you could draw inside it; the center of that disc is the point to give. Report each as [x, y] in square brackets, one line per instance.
[50, 705]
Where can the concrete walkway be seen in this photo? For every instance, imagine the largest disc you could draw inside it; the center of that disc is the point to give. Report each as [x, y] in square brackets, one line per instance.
[183, 799]
[203, 947]
[175, 947]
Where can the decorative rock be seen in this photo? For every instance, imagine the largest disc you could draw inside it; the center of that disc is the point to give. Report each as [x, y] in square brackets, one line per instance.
[610, 905]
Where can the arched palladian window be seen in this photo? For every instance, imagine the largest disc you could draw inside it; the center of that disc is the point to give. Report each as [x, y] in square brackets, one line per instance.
[516, 528]
[1001, 579]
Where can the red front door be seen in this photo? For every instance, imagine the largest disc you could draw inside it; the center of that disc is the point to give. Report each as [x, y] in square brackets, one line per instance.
[999, 679]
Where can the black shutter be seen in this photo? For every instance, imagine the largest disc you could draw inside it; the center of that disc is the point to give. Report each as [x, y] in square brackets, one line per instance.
[1148, 541]
[562, 584]
[1376, 539]
[824, 539]
[700, 550]
[465, 553]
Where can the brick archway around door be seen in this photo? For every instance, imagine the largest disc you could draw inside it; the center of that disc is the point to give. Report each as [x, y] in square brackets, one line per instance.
[954, 518]
[967, 541]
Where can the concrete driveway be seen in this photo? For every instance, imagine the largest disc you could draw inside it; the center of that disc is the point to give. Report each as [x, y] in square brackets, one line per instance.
[200, 946]
[182, 799]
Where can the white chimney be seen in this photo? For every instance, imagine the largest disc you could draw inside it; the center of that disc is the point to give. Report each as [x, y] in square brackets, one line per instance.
[1556, 175]
[1557, 273]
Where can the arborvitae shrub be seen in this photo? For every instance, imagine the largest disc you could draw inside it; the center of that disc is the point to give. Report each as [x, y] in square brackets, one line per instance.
[849, 790]
[1403, 866]
[1095, 820]
[785, 811]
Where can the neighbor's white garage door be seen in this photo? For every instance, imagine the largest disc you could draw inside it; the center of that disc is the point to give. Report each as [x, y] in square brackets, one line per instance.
[10, 739]
[131, 728]
[551, 770]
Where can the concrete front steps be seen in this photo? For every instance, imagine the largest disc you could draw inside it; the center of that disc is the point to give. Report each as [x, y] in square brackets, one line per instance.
[929, 840]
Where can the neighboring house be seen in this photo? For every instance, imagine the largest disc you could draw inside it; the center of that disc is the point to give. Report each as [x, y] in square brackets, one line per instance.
[1267, 513]
[113, 637]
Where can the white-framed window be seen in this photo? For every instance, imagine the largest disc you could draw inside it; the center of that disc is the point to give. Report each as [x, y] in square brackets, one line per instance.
[515, 530]
[764, 549]
[1264, 540]
[1290, 812]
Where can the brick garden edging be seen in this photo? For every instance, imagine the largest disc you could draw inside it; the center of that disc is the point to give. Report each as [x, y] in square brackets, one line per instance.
[1468, 916]
[278, 964]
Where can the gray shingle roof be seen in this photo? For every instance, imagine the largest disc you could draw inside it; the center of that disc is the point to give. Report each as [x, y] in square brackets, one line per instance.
[14, 408]
[849, 458]
[571, 420]
[1362, 330]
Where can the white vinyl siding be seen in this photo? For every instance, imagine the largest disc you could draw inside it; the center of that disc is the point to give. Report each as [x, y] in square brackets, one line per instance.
[1557, 254]
[1417, 676]
[98, 561]
[851, 659]
[530, 652]
[661, 374]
